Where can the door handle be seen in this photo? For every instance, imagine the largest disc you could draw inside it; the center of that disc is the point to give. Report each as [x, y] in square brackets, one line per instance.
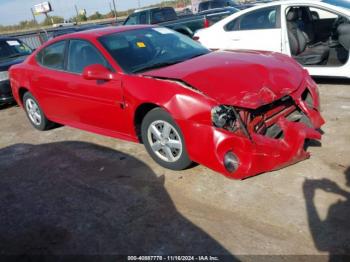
[236, 39]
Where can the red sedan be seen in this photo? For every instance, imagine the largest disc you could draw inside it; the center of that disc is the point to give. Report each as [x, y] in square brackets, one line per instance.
[240, 113]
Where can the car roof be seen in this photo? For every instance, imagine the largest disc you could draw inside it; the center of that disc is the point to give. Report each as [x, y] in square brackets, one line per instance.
[296, 2]
[320, 3]
[316, 3]
[219, 10]
[98, 32]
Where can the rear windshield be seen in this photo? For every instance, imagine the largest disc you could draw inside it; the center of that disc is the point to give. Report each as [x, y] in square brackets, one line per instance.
[11, 48]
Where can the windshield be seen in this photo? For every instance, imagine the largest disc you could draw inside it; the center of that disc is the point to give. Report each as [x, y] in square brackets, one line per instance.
[13, 48]
[341, 3]
[145, 49]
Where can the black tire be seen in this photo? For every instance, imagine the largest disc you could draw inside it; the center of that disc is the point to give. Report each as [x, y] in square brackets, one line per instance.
[182, 160]
[44, 123]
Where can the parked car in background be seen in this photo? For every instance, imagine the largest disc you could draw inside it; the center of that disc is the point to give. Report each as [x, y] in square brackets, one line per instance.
[167, 17]
[73, 29]
[239, 113]
[315, 33]
[184, 12]
[12, 51]
[154, 15]
[65, 24]
[213, 4]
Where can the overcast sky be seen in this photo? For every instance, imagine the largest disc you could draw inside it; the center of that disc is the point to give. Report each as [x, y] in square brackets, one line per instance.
[14, 11]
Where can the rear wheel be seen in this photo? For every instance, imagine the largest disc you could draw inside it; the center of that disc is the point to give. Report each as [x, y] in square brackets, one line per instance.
[164, 141]
[35, 114]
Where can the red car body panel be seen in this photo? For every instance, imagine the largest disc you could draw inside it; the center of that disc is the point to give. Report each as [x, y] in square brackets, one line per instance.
[187, 91]
[251, 78]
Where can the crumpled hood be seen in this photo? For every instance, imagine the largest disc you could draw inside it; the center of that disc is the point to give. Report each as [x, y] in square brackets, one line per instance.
[246, 79]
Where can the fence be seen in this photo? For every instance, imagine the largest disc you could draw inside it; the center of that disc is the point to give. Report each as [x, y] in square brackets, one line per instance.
[36, 38]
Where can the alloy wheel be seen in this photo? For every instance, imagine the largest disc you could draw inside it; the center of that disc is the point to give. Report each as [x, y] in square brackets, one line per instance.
[33, 111]
[165, 141]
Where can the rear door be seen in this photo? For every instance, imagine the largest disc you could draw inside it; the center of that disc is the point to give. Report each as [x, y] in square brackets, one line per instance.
[258, 30]
[48, 82]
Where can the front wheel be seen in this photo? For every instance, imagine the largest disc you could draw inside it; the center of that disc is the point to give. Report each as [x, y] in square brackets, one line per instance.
[164, 141]
[35, 114]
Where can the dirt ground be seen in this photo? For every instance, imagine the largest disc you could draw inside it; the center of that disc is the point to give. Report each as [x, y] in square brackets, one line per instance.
[66, 191]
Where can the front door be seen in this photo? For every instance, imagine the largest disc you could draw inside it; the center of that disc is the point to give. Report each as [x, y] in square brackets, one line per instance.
[95, 103]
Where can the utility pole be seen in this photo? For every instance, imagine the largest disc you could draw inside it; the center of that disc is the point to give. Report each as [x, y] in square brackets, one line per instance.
[115, 10]
[139, 3]
[76, 10]
[31, 9]
[110, 7]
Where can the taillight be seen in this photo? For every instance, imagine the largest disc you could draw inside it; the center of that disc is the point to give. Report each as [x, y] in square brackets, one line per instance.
[206, 23]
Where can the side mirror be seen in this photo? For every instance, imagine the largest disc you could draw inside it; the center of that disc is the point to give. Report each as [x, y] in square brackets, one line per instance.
[97, 72]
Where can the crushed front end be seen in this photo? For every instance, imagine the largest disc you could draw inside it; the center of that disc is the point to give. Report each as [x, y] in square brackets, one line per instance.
[252, 141]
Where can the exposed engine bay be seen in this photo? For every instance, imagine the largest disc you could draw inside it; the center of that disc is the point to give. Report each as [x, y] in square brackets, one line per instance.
[261, 121]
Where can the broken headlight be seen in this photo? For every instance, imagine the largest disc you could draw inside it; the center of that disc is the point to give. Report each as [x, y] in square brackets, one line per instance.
[224, 117]
[227, 117]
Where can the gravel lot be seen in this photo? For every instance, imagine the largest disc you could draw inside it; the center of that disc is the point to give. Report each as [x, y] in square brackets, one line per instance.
[66, 191]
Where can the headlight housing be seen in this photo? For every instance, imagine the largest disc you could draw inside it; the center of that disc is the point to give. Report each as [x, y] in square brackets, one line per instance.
[228, 117]
[4, 75]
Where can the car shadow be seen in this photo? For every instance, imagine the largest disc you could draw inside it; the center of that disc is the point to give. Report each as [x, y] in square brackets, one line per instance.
[80, 198]
[331, 234]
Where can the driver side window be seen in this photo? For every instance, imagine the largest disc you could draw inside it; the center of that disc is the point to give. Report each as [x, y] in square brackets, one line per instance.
[82, 54]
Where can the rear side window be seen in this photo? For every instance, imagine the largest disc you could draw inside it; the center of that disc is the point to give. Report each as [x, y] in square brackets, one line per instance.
[268, 18]
[169, 14]
[163, 15]
[157, 17]
[82, 54]
[52, 56]
[132, 20]
[143, 18]
[203, 6]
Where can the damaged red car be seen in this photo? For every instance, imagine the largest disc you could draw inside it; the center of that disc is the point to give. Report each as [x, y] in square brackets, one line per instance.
[240, 113]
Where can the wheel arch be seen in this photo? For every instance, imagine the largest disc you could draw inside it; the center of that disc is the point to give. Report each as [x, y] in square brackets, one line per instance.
[21, 91]
[140, 112]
